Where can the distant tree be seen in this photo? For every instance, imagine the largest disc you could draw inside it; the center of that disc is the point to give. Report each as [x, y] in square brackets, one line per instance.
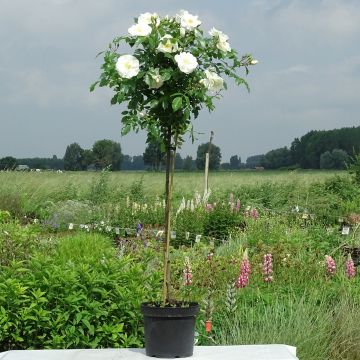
[178, 161]
[188, 163]
[73, 158]
[88, 158]
[340, 158]
[214, 160]
[107, 152]
[326, 160]
[307, 150]
[43, 163]
[234, 162]
[254, 161]
[8, 163]
[154, 155]
[226, 166]
[335, 159]
[138, 162]
[277, 158]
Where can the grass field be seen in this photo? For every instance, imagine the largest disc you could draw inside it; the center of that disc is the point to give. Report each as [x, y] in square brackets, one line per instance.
[185, 182]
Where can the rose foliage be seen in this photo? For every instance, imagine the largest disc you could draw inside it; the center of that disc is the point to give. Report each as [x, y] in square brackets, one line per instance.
[175, 70]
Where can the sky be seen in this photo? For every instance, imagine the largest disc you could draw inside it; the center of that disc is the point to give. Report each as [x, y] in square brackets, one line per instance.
[308, 76]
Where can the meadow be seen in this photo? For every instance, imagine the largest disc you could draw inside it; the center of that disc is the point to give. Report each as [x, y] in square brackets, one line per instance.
[74, 269]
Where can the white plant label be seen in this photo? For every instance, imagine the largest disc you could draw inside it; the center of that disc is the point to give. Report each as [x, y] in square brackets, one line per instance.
[345, 230]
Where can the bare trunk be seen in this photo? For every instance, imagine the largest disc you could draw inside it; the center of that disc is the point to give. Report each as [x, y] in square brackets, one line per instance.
[168, 196]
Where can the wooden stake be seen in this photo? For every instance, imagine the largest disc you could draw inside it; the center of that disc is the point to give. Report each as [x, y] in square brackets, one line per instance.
[207, 160]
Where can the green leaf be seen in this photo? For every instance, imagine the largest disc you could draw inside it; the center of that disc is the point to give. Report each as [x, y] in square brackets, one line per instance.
[92, 86]
[114, 99]
[125, 129]
[177, 103]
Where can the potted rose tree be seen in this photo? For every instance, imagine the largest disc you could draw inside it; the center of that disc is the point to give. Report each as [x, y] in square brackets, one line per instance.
[172, 71]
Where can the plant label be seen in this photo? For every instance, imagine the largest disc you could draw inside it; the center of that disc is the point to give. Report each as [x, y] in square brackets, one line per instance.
[198, 238]
[117, 231]
[187, 235]
[71, 226]
[345, 230]
[173, 234]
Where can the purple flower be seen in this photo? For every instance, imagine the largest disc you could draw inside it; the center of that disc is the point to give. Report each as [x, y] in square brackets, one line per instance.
[330, 265]
[268, 268]
[138, 228]
[350, 269]
[245, 271]
[254, 213]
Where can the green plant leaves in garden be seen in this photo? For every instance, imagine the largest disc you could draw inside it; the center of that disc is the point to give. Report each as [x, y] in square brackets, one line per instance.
[177, 103]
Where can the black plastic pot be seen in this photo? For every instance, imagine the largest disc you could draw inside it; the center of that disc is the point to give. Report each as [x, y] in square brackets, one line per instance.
[169, 330]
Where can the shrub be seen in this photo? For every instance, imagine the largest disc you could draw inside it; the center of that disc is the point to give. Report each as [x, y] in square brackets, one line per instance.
[17, 242]
[221, 221]
[74, 299]
[65, 212]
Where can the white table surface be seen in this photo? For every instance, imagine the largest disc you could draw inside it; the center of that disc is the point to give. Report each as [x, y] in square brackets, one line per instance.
[237, 352]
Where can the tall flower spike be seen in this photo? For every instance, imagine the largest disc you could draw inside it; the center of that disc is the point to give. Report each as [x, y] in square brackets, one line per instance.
[245, 271]
[330, 265]
[254, 213]
[350, 269]
[268, 268]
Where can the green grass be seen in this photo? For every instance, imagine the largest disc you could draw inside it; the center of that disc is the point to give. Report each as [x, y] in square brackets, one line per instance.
[35, 184]
[26, 192]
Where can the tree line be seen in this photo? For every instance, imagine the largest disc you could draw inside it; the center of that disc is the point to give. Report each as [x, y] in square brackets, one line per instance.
[330, 149]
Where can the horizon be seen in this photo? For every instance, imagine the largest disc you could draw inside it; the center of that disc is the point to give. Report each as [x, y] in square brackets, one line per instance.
[307, 77]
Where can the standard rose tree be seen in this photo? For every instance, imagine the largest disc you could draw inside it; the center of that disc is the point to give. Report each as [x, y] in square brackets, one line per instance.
[173, 71]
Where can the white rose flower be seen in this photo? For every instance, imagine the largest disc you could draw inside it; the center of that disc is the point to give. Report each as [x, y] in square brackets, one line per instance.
[254, 62]
[127, 66]
[213, 81]
[166, 45]
[147, 18]
[223, 46]
[222, 38]
[188, 21]
[140, 29]
[217, 33]
[186, 62]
